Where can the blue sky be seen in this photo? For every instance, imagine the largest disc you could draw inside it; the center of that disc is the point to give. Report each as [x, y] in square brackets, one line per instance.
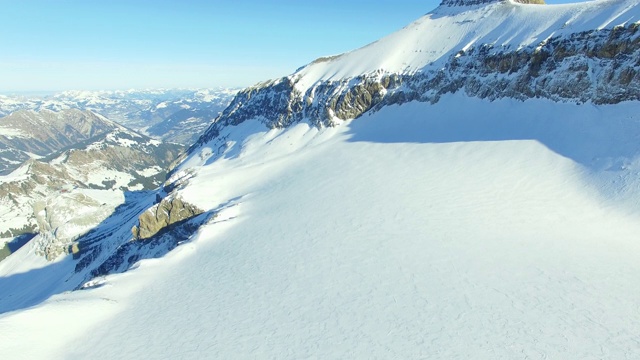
[48, 45]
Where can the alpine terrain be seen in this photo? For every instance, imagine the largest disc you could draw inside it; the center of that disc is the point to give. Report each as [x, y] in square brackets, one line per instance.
[171, 115]
[65, 193]
[465, 188]
[27, 134]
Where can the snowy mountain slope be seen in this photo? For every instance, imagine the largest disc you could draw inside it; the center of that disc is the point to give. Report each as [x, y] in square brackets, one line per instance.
[575, 52]
[370, 240]
[431, 40]
[46, 277]
[472, 210]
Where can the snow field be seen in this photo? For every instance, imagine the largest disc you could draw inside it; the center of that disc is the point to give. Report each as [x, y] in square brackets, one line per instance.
[464, 229]
[388, 237]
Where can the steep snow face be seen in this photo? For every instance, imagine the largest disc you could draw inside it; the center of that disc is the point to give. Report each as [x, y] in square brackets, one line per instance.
[429, 41]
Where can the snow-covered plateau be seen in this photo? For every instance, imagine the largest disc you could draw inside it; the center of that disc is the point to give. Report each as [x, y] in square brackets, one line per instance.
[456, 196]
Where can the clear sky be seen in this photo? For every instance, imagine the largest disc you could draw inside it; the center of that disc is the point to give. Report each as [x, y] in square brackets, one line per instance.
[48, 45]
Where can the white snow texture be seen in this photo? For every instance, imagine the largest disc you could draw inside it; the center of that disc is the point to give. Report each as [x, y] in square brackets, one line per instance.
[465, 229]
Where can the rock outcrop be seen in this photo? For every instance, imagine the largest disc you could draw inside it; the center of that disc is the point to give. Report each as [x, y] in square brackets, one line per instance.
[167, 213]
[154, 246]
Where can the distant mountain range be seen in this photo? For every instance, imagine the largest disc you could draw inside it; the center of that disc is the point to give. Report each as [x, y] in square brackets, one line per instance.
[85, 166]
[170, 115]
[26, 134]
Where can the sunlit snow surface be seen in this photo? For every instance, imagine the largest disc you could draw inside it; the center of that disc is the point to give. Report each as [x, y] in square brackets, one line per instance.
[465, 229]
[428, 42]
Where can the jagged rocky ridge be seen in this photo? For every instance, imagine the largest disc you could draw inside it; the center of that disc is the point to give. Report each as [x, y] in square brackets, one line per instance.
[599, 66]
[166, 213]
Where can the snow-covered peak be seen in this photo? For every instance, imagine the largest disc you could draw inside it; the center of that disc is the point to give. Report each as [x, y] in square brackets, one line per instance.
[432, 39]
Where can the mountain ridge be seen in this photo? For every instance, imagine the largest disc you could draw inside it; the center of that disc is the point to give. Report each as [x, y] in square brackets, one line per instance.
[581, 52]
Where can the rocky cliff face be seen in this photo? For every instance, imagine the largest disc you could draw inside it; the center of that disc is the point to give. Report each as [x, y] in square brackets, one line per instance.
[599, 66]
[159, 218]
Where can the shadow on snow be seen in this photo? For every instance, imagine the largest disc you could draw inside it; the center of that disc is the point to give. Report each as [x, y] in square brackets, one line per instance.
[105, 249]
[597, 137]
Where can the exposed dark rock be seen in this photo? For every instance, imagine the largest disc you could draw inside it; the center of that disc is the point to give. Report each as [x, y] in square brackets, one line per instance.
[154, 246]
[163, 215]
